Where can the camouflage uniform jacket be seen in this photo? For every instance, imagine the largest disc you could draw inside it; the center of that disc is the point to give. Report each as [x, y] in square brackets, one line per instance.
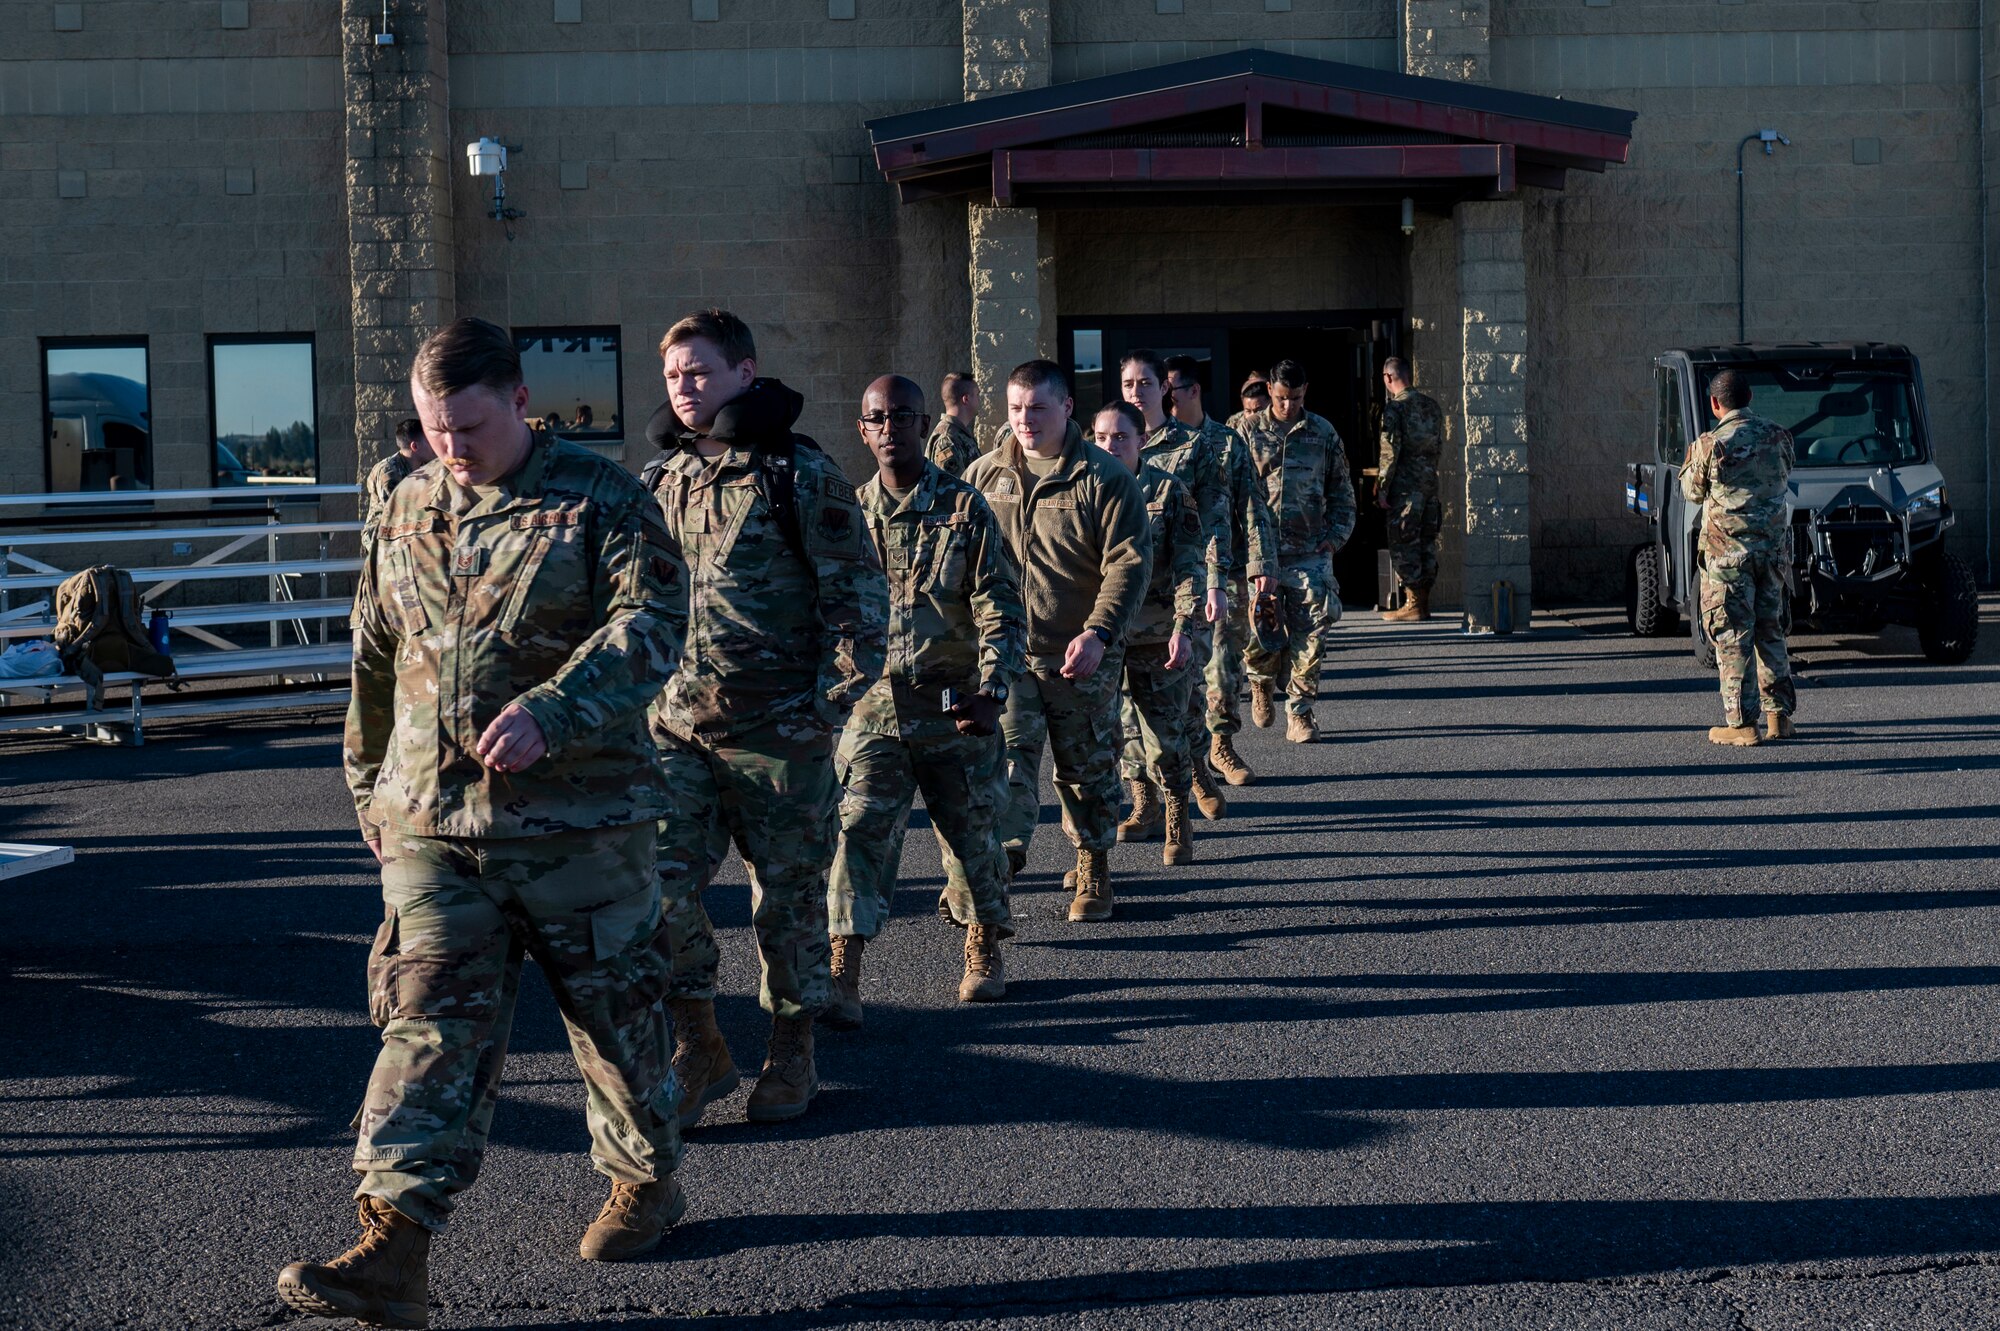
[560, 590]
[1173, 593]
[1189, 454]
[1304, 467]
[1740, 474]
[1077, 538]
[952, 446]
[1253, 535]
[955, 617]
[1412, 440]
[383, 478]
[769, 638]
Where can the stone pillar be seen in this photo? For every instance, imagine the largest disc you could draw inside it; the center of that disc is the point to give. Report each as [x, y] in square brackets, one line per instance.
[1493, 287]
[1448, 39]
[399, 159]
[1007, 49]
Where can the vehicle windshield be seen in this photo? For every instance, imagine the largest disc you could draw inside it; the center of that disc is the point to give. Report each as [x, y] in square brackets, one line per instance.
[1838, 418]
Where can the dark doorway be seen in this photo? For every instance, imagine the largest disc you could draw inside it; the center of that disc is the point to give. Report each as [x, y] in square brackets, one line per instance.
[1341, 351]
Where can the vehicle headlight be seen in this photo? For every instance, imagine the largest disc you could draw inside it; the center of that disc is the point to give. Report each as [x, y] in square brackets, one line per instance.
[1930, 503]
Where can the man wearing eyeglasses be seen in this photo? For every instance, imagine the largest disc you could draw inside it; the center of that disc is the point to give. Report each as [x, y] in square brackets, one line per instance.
[1407, 488]
[1250, 562]
[1192, 459]
[932, 722]
[1305, 471]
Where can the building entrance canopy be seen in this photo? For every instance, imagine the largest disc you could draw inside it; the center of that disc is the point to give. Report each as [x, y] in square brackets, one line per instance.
[1253, 122]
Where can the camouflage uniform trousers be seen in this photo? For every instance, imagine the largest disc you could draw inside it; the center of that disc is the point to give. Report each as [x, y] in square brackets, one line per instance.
[959, 776]
[442, 979]
[1078, 721]
[772, 792]
[1747, 612]
[1224, 672]
[1415, 519]
[1158, 723]
[1309, 600]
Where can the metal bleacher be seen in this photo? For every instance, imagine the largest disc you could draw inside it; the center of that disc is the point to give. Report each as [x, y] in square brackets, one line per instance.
[270, 538]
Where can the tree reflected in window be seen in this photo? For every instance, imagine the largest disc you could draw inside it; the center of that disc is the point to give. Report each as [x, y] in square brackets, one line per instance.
[265, 413]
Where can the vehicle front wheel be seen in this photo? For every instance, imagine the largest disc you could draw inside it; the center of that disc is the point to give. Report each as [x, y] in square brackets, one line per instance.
[1648, 615]
[1948, 618]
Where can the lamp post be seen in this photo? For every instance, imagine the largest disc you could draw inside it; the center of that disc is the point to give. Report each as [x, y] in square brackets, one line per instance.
[1769, 138]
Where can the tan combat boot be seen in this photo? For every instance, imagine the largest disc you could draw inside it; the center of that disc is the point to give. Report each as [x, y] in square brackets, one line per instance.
[1262, 711]
[702, 1063]
[1207, 796]
[1092, 884]
[634, 1219]
[844, 1012]
[1742, 736]
[1222, 753]
[1300, 728]
[384, 1280]
[1143, 823]
[1778, 726]
[786, 1085]
[1180, 833]
[985, 974]
[1415, 609]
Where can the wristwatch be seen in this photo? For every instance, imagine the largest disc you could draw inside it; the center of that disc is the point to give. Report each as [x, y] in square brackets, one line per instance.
[1103, 636]
[997, 691]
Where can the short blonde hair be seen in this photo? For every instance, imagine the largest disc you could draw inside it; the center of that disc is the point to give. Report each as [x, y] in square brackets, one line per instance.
[718, 326]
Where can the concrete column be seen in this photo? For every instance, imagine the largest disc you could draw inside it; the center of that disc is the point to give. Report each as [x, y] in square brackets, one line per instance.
[1007, 49]
[399, 161]
[1448, 39]
[1493, 287]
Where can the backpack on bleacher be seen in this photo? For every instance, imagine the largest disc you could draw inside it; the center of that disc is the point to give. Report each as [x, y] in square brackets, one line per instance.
[99, 627]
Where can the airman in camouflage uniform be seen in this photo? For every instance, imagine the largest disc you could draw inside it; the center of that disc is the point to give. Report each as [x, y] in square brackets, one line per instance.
[953, 445]
[1075, 526]
[786, 627]
[1188, 455]
[1305, 471]
[1159, 647]
[1407, 487]
[1246, 565]
[1740, 474]
[412, 451]
[955, 625]
[517, 609]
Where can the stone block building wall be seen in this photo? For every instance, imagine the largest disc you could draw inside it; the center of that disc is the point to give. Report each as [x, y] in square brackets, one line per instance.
[676, 153]
[1867, 227]
[668, 164]
[170, 178]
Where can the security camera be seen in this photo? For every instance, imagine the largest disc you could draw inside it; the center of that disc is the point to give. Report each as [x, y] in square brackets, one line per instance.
[488, 157]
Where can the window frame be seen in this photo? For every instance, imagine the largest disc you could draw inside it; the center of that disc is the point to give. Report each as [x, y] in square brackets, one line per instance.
[614, 331]
[1671, 387]
[144, 344]
[311, 343]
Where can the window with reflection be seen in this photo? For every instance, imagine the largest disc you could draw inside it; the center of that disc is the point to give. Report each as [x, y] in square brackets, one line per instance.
[98, 413]
[1086, 371]
[574, 385]
[264, 410]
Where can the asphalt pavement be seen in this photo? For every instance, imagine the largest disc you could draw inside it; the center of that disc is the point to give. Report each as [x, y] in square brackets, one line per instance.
[1512, 1003]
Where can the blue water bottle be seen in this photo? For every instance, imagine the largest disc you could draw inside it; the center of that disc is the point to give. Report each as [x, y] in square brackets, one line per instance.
[157, 631]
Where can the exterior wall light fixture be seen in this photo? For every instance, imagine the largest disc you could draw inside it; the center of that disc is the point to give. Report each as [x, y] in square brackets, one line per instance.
[488, 157]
